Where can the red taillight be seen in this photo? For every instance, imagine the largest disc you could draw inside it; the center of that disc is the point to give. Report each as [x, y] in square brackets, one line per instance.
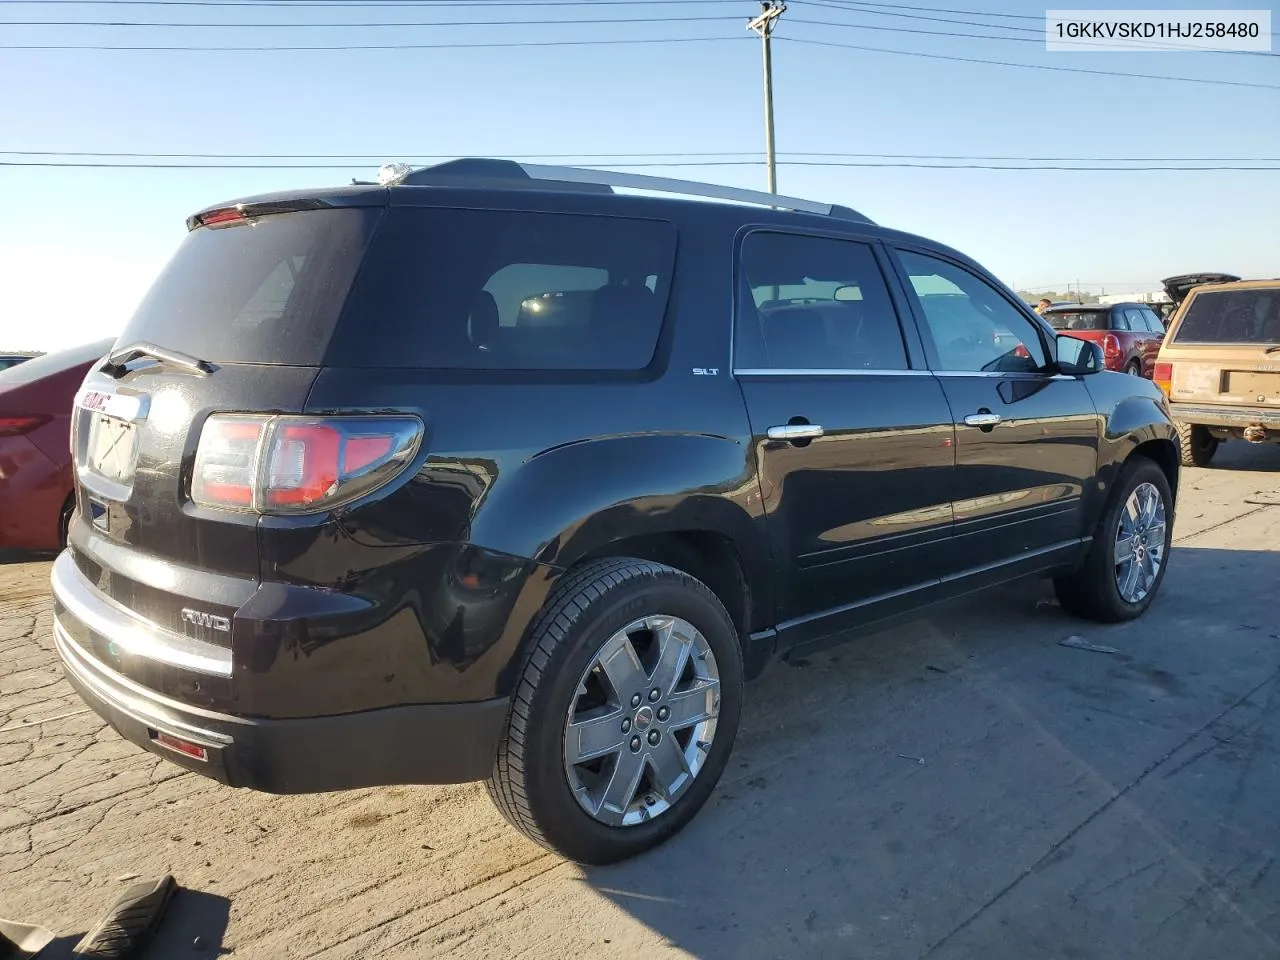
[305, 465]
[227, 462]
[1163, 377]
[1110, 345]
[297, 464]
[13, 426]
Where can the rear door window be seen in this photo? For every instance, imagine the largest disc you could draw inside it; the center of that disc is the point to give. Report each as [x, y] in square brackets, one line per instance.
[1231, 316]
[506, 290]
[814, 303]
[1134, 320]
[264, 291]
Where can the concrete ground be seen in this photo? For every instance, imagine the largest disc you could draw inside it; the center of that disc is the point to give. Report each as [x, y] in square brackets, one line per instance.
[962, 787]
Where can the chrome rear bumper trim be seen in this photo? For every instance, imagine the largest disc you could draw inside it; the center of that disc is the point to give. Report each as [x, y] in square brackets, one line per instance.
[121, 694]
[121, 626]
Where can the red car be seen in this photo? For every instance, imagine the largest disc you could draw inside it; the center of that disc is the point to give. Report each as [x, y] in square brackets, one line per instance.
[1130, 334]
[36, 398]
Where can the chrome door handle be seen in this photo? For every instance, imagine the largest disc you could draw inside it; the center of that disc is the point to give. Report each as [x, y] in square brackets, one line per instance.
[795, 431]
[982, 419]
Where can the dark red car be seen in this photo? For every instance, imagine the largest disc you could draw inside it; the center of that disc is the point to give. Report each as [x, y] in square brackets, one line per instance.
[1130, 334]
[36, 398]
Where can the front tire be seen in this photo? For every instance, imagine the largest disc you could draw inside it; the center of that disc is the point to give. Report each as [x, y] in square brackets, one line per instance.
[1127, 560]
[624, 714]
[1196, 444]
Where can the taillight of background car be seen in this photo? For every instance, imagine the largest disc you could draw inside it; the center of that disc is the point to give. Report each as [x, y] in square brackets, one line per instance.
[16, 425]
[1163, 377]
[1111, 348]
[293, 465]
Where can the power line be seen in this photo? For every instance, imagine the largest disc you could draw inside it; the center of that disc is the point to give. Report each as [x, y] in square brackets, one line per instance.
[371, 46]
[364, 4]
[858, 4]
[1033, 66]
[710, 163]
[863, 6]
[171, 24]
[380, 23]
[656, 157]
[1039, 40]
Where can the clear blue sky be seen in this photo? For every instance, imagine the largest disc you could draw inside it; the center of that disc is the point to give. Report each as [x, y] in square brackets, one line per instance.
[78, 247]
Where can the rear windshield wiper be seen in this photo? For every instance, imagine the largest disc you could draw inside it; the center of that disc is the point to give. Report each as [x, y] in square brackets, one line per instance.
[1273, 348]
[117, 359]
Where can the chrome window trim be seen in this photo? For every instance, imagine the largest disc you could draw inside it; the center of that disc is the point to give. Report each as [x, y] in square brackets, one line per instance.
[839, 372]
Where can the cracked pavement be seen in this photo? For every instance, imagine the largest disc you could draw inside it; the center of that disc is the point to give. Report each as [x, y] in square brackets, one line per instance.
[1070, 803]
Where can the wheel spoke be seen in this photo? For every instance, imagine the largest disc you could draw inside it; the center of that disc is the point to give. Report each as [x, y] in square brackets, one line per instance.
[674, 651]
[620, 664]
[669, 766]
[701, 702]
[1124, 549]
[1150, 507]
[1129, 586]
[621, 789]
[594, 737]
[1132, 512]
[1155, 535]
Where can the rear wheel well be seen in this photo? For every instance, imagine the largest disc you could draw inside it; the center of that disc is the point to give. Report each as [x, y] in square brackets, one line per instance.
[1165, 455]
[710, 557]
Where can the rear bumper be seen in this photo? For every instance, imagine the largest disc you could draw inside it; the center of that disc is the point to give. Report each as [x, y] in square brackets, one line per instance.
[409, 744]
[1223, 416]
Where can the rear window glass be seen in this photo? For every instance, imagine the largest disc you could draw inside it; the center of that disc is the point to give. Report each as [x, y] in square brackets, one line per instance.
[505, 290]
[1079, 320]
[268, 291]
[1231, 316]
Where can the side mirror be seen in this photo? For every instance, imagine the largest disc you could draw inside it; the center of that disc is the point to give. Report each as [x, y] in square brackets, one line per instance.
[1077, 357]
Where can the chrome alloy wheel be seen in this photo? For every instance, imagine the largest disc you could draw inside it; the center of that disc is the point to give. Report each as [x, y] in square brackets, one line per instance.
[1140, 543]
[642, 721]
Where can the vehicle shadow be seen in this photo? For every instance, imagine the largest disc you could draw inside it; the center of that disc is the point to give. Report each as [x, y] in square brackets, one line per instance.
[969, 786]
[1238, 455]
[24, 556]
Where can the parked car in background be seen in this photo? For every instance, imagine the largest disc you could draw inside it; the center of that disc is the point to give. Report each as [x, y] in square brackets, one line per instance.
[1220, 364]
[541, 535]
[8, 360]
[1129, 333]
[36, 399]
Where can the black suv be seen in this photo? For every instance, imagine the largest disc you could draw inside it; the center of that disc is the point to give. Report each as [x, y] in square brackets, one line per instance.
[490, 472]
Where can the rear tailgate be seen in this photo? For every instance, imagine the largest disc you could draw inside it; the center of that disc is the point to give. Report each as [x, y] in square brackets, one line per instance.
[1231, 343]
[254, 299]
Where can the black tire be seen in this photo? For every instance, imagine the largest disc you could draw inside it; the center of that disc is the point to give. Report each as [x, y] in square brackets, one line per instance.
[1196, 444]
[529, 784]
[1134, 369]
[64, 521]
[1091, 591]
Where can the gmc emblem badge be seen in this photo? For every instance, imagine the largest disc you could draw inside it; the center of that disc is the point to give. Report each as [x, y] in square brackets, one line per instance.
[202, 619]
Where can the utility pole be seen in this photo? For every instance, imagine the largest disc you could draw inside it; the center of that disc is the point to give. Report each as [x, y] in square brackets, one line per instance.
[770, 11]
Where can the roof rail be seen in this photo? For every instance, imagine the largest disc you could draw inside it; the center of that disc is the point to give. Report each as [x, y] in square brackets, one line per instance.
[514, 170]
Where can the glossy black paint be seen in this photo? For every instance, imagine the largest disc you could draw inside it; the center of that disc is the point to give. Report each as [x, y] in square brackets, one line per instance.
[424, 591]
